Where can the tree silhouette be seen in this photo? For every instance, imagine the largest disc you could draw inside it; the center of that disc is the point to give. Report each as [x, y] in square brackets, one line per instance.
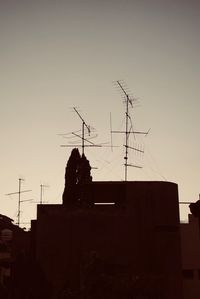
[71, 170]
[77, 175]
[195, 208]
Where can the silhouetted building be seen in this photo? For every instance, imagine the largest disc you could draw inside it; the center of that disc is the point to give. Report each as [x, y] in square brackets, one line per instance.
[120, 240]
[190, 246]
[14, 242]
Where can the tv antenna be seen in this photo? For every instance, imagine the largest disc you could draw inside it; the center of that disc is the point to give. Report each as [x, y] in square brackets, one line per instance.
[84, 126]
[42, 186]
[41, 201]
[19, 199]
[128, 128]
[85, 129]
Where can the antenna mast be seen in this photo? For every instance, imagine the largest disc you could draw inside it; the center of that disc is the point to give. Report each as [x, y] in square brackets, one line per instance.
[82, 136]
[84, 125]
[19, 199]
[128, 102]
[41, 192]
[128, 131]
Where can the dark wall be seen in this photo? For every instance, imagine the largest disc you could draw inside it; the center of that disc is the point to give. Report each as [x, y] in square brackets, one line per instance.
[138, 236]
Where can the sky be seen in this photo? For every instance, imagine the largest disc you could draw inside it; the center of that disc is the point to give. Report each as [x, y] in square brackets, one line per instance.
[55, 55]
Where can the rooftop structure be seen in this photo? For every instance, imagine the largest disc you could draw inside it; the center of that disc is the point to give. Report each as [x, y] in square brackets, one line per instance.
[124, 233]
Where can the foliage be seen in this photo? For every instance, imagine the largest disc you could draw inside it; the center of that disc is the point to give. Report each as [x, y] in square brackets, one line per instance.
[77, 175]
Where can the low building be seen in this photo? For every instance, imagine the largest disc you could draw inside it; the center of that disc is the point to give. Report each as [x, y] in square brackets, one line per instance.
[190, 246]
[14, 249]
[122, 240]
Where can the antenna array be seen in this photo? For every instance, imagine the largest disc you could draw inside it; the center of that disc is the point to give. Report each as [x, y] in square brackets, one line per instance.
[85, 129]
[128, 127]
[19, 199]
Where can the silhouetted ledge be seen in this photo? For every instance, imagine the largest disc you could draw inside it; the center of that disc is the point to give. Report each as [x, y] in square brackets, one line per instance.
[109, 195]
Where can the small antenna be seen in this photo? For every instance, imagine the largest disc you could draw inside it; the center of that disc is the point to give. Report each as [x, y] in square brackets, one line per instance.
[19, 199]
[128, 128]
[42, 192]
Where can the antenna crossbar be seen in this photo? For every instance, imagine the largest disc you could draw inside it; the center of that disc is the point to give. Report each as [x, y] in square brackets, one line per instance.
[131, 165]
[82, 138]
[130, 132]
[79, 145]
[134, 148]
[25, 200]
[18, 192]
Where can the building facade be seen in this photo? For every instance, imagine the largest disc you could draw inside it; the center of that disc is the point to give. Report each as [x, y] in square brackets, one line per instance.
[190, 246]
[121, 241]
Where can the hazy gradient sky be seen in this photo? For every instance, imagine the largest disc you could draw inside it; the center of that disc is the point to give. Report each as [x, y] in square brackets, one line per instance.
[58, 54]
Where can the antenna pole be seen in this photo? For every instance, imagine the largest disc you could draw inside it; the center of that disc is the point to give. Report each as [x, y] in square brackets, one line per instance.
[19, 199]
[128, 130]
[41, 192]
[19, 202]
[128, 101]
[83, 128]
[127, 135]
